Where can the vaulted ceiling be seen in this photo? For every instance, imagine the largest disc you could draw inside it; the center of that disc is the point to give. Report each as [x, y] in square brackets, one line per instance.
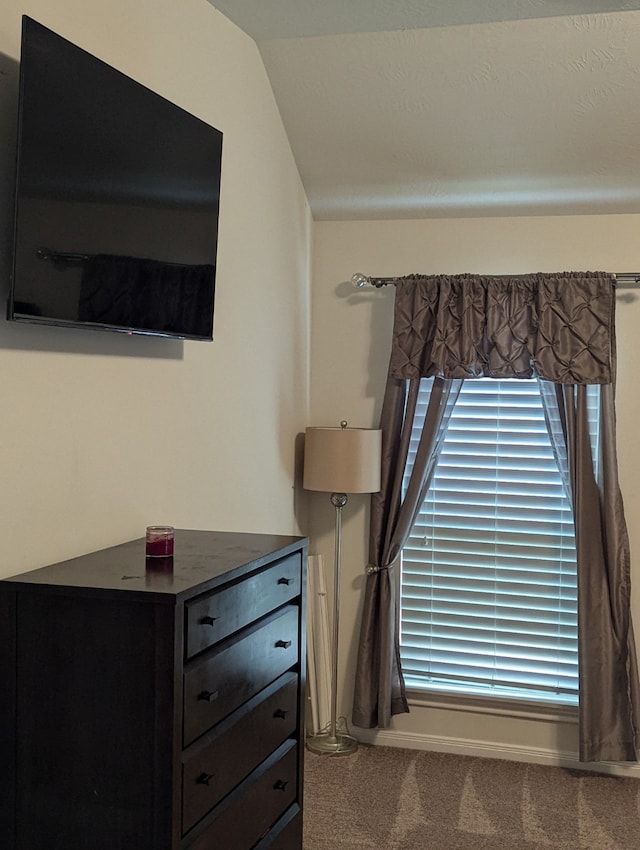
[418, 108]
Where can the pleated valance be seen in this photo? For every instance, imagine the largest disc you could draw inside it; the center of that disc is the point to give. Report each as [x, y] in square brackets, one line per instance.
[554, 326]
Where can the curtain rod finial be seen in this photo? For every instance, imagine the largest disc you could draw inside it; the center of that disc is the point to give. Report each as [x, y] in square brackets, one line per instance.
[359, 280]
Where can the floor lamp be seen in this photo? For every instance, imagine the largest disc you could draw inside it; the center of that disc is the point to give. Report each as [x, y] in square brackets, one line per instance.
[339, 461]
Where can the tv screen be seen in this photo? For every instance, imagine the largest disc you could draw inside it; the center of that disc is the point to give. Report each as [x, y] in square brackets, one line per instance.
[117, 199]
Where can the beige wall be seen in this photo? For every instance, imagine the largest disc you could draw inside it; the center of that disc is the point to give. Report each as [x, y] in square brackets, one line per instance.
[350, 346]
[103, 434]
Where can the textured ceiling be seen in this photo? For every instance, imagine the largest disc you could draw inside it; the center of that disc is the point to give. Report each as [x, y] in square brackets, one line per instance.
[415, 109]
[302, 18]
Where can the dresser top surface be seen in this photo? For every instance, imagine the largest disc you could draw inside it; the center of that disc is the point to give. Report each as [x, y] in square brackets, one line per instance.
[202, 559]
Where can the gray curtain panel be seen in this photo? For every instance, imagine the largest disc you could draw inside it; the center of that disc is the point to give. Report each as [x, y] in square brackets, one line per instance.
[609, 698]
[556, 327]
[379, 687]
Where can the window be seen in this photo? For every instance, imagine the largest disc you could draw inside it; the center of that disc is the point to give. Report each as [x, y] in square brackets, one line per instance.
[488, 574]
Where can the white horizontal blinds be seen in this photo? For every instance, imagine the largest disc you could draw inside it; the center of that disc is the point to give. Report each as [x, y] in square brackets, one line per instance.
[488, 596]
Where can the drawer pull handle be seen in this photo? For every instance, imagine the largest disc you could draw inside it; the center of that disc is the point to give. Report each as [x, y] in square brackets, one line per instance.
[284, 644]
[207, 620]
[208, 696]
[283, 580]
[280, 785]
[204, 779]
[280, 713]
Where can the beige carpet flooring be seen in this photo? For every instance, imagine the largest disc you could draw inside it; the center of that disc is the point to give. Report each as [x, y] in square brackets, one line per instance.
[383, 798]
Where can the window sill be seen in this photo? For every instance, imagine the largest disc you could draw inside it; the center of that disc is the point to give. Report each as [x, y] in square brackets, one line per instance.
[498, 706]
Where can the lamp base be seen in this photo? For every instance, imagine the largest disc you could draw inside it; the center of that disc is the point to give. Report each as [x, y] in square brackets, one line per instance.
[325, 744]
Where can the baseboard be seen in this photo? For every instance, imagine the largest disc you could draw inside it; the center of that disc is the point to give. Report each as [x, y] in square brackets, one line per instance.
[492, 750]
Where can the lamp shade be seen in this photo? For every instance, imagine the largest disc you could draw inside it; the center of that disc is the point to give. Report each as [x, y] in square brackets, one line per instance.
[342, 460]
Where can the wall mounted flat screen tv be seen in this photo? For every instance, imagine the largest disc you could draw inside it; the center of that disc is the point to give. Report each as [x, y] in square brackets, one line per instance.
[117, 199]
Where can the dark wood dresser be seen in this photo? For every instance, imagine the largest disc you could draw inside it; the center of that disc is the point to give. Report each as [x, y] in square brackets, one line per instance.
[155, 705]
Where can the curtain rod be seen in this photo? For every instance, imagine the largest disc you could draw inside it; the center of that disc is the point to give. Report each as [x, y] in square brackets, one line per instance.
[624, 280]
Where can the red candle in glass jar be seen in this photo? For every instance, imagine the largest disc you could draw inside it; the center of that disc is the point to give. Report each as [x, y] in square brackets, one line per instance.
[159, 541]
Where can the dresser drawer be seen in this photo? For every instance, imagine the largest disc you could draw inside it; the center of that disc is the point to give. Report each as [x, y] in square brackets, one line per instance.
[217, 615]
[287, 834]
[223, 680]
[248, 737]
[260, 802]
